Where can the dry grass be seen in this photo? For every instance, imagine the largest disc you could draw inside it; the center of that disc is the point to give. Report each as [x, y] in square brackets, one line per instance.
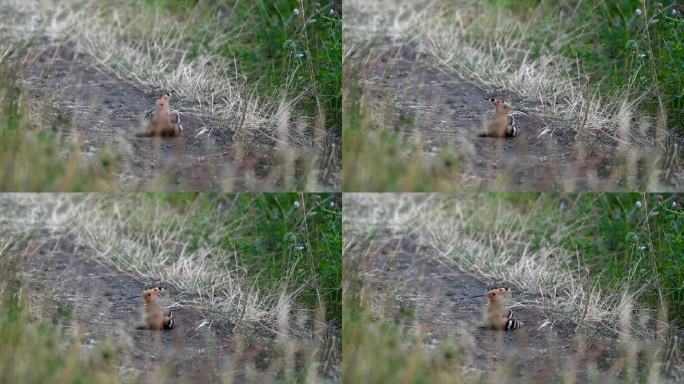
[147, 48]
[494, 50]
[501, 53]
[495, 241]
[147, 242]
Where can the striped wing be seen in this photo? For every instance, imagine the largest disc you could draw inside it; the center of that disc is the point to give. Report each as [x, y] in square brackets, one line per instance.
[175, 119]
[511, 322]
[511, 129]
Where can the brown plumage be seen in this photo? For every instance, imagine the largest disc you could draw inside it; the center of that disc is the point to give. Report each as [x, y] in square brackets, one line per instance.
[156, 316]
[498, 317]
[162, 121]
[503, 123]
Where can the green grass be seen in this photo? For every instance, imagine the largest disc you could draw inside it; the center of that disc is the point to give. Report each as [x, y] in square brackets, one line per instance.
[42, 352]
[276, 47]
[592, 246]
[382, 351]
[635, 239]
[624, 54]
[34, 158]
[634, 54]
[280, 237]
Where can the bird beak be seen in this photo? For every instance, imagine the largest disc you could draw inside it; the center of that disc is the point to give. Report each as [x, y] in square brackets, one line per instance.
[472, 297]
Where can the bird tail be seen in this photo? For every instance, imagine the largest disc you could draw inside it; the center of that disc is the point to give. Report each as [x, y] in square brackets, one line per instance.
[168, 324]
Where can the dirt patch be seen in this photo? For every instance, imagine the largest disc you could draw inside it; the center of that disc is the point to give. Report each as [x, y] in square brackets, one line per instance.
[98, 109]
[418, 99]
[94, 297]
[418, 289]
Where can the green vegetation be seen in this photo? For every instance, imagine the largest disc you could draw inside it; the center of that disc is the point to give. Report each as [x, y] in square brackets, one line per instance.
[284, 237]
[602, 261]
[598, 87]
[370, 159]
[283, 45]
[637, 52]
[381, 351]
[632, 240]
[42, 352]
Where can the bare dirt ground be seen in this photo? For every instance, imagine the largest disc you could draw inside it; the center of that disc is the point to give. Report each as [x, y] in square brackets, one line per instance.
[72, 287]
[102, 110]
[77, 290]
[419, 99]
[425, 292]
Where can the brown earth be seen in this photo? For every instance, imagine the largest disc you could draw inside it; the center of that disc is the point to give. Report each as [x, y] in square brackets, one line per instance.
[74, 288]
[91, 105]
[82, 293]
[418, 289]
[415, 96]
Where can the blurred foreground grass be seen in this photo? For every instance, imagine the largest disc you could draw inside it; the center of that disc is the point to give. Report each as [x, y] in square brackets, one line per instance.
[36, 158]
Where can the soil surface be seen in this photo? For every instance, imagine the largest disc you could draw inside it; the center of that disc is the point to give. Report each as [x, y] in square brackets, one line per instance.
[423, 291]
[93, 106]
[416, 97]
[72, 287]
[99, 300]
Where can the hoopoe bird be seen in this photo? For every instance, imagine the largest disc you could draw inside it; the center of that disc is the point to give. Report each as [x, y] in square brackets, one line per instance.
[156, 316]
[498, 317]
[162, 121]
[503, 124]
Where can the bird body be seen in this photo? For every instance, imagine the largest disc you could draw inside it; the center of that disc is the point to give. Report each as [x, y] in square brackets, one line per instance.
[162, 121]
[499, 317]
[156, 316]
[503, 123]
